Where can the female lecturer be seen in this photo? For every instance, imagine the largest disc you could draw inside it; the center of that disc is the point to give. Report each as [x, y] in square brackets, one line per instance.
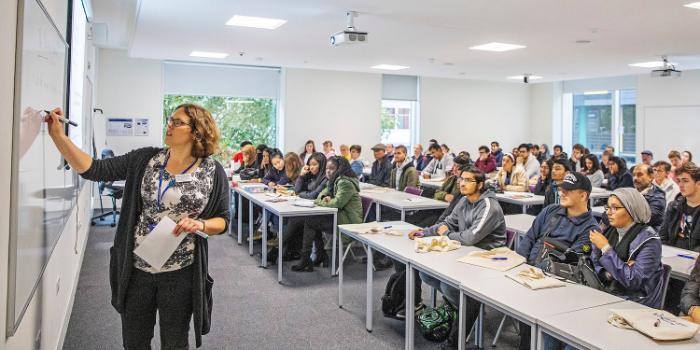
[180, 182]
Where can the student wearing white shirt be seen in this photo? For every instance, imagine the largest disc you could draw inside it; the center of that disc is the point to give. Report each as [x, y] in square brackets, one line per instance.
[440, 165]
[661, 179]
[532, 166]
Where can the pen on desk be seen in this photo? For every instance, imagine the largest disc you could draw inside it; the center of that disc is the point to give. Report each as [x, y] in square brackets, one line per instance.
[499, 258]
[386, 227]
[686, 256]
[63, 120]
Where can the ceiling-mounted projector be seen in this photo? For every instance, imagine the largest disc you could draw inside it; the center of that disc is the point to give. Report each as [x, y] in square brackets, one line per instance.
[350, 35]
[667, 70]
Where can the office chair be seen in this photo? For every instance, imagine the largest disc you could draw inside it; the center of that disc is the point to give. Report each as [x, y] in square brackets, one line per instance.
[108, 189]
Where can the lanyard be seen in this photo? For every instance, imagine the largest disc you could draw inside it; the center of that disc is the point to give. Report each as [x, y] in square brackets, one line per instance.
[171, 183]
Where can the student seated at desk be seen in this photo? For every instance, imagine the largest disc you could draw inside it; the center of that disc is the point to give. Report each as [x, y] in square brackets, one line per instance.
[512, 176]
[643, 177]
[662, 169]
[477, 220]
[283, 174]
[403, 173]
[249, 161]
[560, 167]
[570, 222]
[627, 256]
[308, 185]
[542, 182]
[439, 166]
[591, 167]
[341, 192]
[486, 161]
[690, 298]
[381, 168]
[619, 176]
[680, 226]
[355, 161]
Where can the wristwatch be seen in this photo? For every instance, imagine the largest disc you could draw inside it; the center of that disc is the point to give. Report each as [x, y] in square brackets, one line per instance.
[204, 225]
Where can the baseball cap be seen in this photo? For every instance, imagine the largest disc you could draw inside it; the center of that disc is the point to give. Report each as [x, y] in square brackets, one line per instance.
[379, 147]
[647, 152]
[576, 181]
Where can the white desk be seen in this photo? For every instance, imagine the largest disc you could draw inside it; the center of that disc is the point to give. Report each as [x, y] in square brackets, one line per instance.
[528, 306]
[282, 210]
[519, 224]
[524, 199]
[589, 329]
[401, 201]
[399, 248]
[367, 171]
[599, 193]
[680, 266]
[598, 211]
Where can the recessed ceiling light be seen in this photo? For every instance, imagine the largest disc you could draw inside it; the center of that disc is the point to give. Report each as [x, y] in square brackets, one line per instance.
[599, 92]
[497, 47]
[389, 67]
[521, 77]
[652, 64]
[255, 22]
[693, 5]
[205, 54]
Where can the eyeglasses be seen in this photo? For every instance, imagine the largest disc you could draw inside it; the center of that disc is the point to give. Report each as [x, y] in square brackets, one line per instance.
[462, 180]
[176, 123]
[612, 208]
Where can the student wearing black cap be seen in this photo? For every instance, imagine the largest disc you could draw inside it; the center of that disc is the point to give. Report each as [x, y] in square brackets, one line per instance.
[570, 222]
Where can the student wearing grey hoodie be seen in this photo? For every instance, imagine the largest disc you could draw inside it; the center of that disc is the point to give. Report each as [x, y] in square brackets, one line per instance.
[477, 220]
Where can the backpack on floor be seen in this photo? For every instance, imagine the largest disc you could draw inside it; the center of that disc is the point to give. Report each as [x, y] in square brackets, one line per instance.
[434, 324]
[394, 298]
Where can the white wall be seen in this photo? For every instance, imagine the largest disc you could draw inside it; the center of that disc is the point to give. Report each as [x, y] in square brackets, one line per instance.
[340, 106]
[665, 92]
[49, 310]
[129, 88]
[465, 114]
[545, 113]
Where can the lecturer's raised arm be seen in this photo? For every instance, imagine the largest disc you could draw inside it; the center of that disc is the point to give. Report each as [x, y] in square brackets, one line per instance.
[76, 158]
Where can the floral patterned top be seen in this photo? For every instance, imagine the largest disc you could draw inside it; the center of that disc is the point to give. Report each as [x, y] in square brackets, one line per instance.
[182, 199]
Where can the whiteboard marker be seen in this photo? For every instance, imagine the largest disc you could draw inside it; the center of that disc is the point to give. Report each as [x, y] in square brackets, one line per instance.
[63, 120]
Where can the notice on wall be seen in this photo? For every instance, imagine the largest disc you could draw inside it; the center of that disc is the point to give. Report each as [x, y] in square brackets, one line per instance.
[120, 127]
[141, 127]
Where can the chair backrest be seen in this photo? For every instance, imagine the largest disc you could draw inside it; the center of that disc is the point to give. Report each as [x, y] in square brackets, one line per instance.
[366, 205]
[510, 239]
[413, 190]
[665, 278]
[107, 153]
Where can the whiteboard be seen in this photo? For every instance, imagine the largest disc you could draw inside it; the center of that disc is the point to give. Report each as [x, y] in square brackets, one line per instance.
[671, 127]
[39, 208]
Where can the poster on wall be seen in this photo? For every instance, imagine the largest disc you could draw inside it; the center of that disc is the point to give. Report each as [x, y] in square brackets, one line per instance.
[120, 127]
[141, 127]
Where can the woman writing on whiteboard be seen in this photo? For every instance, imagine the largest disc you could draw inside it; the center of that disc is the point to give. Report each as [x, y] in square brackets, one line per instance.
[180, 182]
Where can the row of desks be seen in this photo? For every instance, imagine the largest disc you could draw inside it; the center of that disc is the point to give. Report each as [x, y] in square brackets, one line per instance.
[680, 266]
[573, 313]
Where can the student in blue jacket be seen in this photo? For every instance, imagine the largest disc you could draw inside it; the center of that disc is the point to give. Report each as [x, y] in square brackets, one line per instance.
[627, 256]
[570, 221]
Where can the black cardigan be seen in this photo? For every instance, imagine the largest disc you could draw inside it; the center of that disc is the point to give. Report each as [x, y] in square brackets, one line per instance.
[131, 167]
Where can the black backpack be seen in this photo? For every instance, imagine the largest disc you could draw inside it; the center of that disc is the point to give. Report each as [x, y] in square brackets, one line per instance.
[394, 298]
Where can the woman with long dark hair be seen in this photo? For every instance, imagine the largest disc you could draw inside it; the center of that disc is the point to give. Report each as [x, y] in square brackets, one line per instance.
[591, 168]
[342, 192]
[619, 176]
[309, 149]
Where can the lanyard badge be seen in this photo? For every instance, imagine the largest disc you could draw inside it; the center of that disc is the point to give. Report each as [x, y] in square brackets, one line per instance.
[182, 177]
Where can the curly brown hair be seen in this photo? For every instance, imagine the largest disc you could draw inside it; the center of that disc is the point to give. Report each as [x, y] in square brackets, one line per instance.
[206, 141]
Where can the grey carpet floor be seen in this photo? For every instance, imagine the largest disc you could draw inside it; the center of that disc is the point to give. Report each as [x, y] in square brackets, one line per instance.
[253, 311]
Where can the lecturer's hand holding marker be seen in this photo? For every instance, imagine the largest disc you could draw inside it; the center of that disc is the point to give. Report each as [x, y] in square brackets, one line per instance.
[56, 115]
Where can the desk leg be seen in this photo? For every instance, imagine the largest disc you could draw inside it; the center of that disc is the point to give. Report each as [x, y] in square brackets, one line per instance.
[533, 336]
[378, 208]
[231, 216]
[540, 339]
[340, 270]
[461, 317]
[524, 209]
[433, 297]
[403, 215]
[333, 247]
[251, 226]
[410, 306]
[264, 239]
[480, 328]
[370, 278]
[240, 219]
[280, 248]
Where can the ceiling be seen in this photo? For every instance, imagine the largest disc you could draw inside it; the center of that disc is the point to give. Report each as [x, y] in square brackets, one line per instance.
[433, 38]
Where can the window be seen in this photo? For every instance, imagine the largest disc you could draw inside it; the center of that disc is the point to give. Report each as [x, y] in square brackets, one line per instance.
[397, 122]
[239, 119]
[605, 118]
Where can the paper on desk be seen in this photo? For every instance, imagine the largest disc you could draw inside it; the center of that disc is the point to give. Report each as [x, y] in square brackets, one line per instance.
[160, 244]
[500, 259]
